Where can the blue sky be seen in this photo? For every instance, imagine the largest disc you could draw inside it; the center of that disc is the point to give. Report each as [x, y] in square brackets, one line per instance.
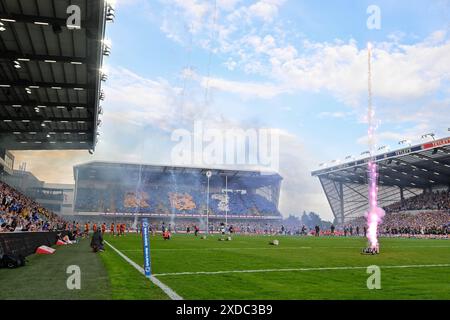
[295, 66]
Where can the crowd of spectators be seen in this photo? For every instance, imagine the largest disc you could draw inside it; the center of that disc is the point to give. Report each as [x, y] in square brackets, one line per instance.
[423, 223]
[437, 200]
[426, 223]
[424, 214]
[432, 216]
[20, 213]
[173, 199]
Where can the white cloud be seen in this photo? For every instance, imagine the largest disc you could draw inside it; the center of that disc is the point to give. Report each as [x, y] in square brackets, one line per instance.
[254, 40]
[436, 37]
[300, 191]
[136, 100]
[401, 73]
[227, 5]
[384, 136]
[333, 114]
[244, 89]
[230, 64]
[218, 27]
[411, 122]
[265, 9]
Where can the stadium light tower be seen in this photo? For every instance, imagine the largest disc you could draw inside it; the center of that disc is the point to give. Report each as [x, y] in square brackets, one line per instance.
[384, 148]
[208, 175]
[408, 142]
[365, 153]
[431, 134]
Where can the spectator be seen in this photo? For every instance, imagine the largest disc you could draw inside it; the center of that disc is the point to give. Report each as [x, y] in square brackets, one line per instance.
[20, 213]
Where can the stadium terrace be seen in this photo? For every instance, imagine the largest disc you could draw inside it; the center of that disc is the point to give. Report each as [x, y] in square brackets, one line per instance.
[171, 191]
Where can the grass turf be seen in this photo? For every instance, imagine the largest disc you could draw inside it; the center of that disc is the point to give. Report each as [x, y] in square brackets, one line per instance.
[108, 276]
[186, 253]
[126, 282]
[44, 276]
[104, 276]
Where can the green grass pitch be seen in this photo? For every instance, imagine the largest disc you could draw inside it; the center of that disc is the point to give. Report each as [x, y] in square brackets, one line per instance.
[190, 254]
[109, 276]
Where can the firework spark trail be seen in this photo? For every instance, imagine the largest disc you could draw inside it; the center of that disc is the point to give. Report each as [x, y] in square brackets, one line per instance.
[375, 214]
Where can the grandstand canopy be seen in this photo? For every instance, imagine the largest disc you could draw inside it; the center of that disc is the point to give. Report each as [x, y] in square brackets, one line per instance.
[402, 174]
[50, 74]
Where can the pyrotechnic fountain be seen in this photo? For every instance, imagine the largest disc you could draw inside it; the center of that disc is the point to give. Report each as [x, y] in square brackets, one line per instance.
[375, 213]
[175, 190]
[138, 195]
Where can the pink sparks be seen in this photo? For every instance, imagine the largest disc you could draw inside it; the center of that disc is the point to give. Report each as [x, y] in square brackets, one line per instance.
[375, 214]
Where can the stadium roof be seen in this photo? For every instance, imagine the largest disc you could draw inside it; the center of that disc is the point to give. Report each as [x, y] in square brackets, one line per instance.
[50, 73]
[402, 173]
[97, 168]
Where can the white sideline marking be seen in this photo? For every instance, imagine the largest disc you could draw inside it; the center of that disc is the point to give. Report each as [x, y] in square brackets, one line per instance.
[279, 248]
[207, 249]
[295, 269]
[172, 294]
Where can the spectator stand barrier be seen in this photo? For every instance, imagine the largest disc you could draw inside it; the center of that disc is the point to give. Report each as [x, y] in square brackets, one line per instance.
[26, 243]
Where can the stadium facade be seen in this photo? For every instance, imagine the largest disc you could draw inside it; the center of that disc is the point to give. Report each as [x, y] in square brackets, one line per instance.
[121, 189]
[402, 174]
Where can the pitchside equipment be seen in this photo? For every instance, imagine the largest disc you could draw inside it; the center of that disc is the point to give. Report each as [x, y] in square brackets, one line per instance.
[274, 242]
[146, 245]
[371, 250]
[45, 250]
[12, 261]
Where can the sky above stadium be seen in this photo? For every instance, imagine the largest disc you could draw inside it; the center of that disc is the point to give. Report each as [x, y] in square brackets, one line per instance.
[296, 67]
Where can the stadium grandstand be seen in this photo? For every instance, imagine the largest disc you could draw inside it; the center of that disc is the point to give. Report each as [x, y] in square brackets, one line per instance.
[21, 213]
[413, 181]
[50, 83]
[169, 191]
[51, 57]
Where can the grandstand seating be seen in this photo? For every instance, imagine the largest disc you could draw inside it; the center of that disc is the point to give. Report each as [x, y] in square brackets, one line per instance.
[171, 199]
[427, 222]
[437, 200]
[20, 213]
[426, 213]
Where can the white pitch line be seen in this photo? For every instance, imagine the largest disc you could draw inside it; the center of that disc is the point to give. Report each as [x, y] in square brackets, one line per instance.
[295, 269]
[280, 248]
[172, 294]
[384, 247]
[208, 249]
